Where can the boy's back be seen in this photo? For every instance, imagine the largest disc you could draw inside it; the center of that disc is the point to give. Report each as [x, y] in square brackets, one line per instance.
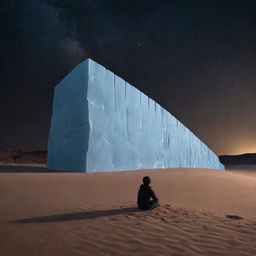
[145, 193]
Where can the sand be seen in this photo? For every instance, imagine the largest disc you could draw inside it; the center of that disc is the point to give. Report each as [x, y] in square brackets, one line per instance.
[66, 214]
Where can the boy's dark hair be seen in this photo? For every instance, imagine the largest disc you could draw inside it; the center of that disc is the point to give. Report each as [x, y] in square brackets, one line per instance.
[146, 180]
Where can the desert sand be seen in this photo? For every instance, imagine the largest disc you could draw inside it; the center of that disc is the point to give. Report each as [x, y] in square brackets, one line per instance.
[202, 212]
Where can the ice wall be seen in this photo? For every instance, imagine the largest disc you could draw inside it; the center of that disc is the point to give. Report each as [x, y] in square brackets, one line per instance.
[102, 123]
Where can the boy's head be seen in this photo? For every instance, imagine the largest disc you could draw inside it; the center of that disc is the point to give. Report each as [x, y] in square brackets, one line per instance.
[146, 180]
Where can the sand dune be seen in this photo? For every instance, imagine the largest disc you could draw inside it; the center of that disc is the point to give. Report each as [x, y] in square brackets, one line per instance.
[95, 214]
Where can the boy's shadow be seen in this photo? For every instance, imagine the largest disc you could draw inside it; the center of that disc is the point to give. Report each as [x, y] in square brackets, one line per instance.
[78, 215]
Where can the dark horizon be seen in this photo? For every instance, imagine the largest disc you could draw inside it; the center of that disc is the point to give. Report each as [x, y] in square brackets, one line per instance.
[195, 59]
[45, 152]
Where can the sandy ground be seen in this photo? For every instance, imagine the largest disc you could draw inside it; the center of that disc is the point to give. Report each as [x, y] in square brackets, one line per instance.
[66, 214]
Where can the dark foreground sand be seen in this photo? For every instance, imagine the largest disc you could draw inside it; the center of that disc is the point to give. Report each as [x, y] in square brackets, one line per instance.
[66, 214]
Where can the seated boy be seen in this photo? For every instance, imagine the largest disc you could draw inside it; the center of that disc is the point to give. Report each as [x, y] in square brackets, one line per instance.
[145, 194]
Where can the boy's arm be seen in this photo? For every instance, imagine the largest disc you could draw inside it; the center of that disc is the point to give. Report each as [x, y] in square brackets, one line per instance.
[153, 195]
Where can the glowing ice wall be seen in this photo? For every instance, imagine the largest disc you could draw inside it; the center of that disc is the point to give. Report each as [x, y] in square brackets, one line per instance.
[102, 123]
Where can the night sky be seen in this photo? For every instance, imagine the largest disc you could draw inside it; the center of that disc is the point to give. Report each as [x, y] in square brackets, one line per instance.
[195, 58]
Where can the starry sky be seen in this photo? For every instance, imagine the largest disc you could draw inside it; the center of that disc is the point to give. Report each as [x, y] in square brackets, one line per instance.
[195, 58]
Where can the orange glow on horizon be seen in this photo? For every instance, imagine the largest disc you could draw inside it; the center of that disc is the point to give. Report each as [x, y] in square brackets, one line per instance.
[242, 149]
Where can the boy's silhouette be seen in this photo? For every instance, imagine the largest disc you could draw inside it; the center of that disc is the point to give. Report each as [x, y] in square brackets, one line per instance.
[145, 194]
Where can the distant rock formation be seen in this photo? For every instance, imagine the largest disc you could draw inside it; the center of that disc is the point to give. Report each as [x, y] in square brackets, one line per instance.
[249, 158]
[102, 123]
[8, 156]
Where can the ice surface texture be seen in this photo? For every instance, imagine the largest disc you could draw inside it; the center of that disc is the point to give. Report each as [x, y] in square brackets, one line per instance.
[102, 123]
